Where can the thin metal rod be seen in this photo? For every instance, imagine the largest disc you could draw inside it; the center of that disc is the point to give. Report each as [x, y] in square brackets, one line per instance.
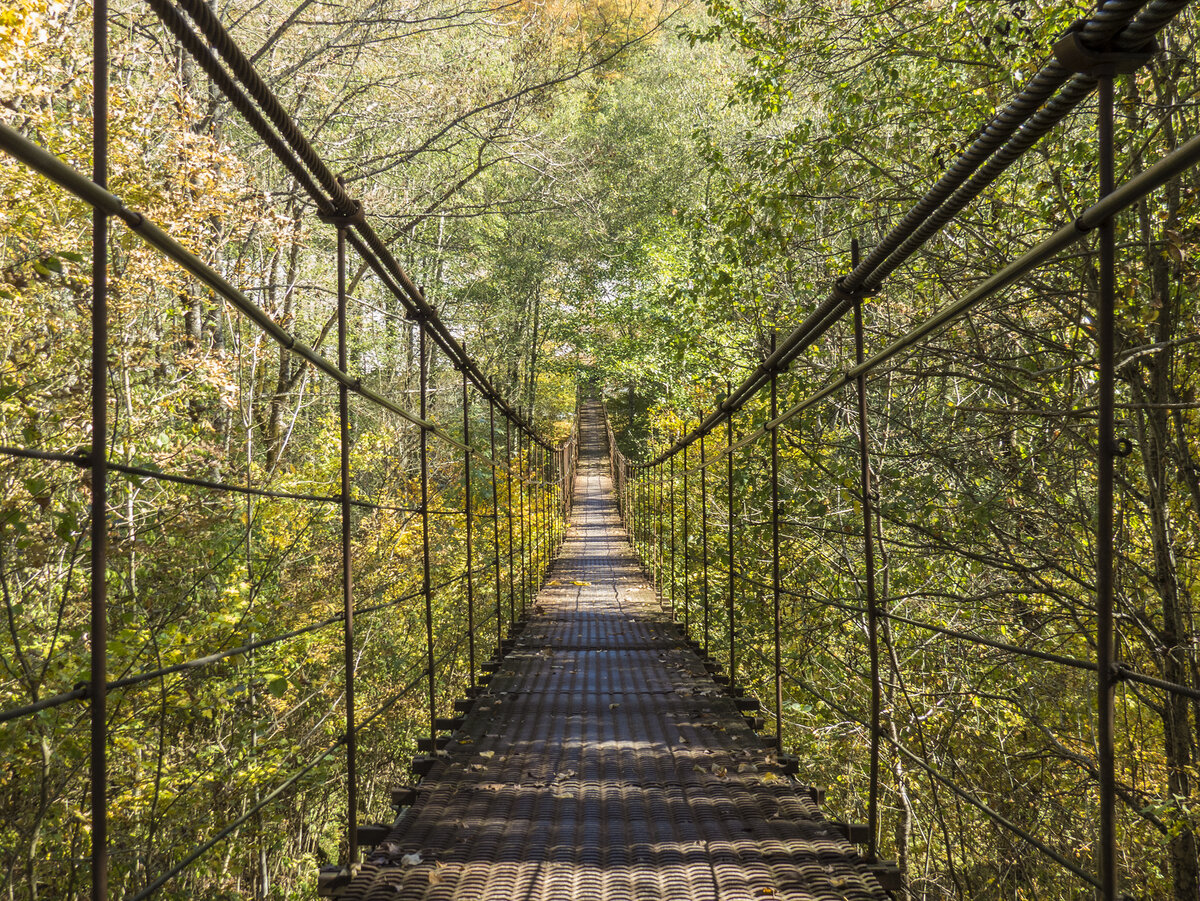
[729, 598]
[98, 629]
[1105, 643]
[631, 492]
[630, 513]
[646, 496]
[508, 496]
[775, 586]
[542, 518]
[232, 827]
[991, 814]
[347, 571]
[1004, 140]
[469, 515]
[91, 192]
[671, 476]
[535, 527]
[864, 473]
[704, 542]
[660, 525]
[686, 554]
[495, 523]
[639, 512]
[426, 581]
[521, 482]
[209, 659]
[635, 511]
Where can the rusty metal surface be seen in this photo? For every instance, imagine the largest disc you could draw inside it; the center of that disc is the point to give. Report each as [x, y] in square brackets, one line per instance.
[603, 762]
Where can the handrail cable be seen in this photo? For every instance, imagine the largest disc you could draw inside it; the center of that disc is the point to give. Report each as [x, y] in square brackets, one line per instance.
[1117, 22]
[230, 828]
[47, 164]
[991, 814]
[373, 250]
[1129, 193]
[82, 691]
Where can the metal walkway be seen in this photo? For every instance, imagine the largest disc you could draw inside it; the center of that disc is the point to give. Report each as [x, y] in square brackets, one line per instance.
[604, 762]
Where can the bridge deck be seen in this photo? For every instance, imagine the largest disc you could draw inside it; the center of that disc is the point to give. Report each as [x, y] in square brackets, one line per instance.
[604, 762]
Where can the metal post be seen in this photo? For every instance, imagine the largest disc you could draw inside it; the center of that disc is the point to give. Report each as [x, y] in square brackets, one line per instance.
[672, 479]
[626, 490]
[634, 509]
[512, 583]
[1105, 642]
[534, 523]
[98, 629]
[547, 502]
[658, 526]
[467, 510]
[639, 513]
[521, 488]
[347, 573]
[535, 520]
[544, 515]
[426, 581]
[704, 537]
[630, 489]
[495, 521]
[869, 563]
[622, 492]
[630, 512]
[686, 554]
[729, 537]
[644, 511]
[775, 586]
[544, 512]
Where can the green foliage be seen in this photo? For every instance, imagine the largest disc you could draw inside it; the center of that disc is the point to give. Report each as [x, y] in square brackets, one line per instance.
[982, 439]
[622, 195]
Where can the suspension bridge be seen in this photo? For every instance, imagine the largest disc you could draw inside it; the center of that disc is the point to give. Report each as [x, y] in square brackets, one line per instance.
[629, 736]
[603, 760]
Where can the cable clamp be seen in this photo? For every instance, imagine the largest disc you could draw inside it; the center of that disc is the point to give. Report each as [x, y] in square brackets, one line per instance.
[357, 216]
[131, 218]
[854, 296]
[845, 294]
[1074, 55]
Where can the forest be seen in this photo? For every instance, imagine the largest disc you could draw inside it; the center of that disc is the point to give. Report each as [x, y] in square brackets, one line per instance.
[631, 199]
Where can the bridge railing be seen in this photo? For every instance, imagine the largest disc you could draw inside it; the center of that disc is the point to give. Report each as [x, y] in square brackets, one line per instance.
[237, 572]
[890, 546]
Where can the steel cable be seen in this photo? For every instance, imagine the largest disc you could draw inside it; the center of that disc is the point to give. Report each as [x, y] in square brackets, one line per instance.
[1010, 133]
[292, 147]
[81, 692]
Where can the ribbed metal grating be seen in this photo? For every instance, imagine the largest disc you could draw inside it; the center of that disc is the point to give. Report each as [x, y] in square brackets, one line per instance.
[603, 762]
